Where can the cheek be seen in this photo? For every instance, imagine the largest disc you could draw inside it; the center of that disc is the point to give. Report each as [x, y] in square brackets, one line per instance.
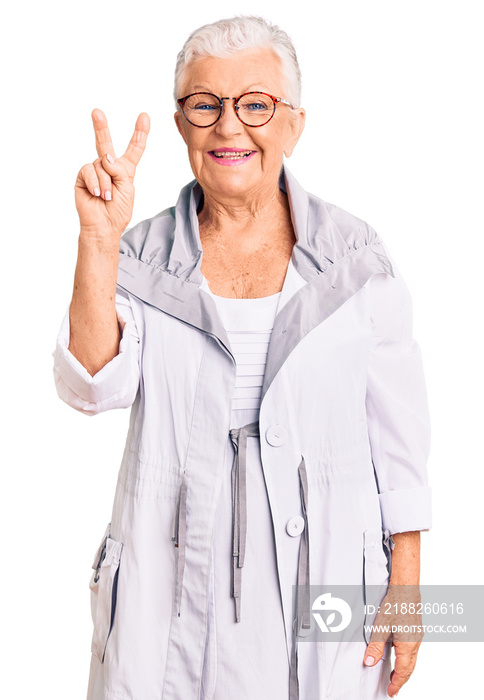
[274, 143]
[195, 149]
[273, 148]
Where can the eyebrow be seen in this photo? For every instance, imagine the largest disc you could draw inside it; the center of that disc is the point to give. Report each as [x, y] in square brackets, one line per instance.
[256, 88]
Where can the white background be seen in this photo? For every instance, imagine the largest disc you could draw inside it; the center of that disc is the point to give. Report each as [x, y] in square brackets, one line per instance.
[393, 93]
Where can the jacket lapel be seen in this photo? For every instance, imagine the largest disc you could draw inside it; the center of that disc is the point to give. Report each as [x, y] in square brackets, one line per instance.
[335, 254]
[159, 263]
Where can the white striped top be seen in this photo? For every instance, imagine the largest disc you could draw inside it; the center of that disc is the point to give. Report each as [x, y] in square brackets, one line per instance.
[249, 324]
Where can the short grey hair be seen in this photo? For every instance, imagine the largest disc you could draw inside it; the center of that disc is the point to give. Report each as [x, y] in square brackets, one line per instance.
[228, 36]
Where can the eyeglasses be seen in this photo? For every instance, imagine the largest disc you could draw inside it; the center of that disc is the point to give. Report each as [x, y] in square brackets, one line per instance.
[252, 108]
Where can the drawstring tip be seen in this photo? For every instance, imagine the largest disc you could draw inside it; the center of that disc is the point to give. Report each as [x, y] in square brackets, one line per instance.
[239, 506]
[179, 538]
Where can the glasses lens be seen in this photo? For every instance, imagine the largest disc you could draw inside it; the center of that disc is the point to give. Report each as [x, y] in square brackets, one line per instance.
[255, 109]
[202, 109]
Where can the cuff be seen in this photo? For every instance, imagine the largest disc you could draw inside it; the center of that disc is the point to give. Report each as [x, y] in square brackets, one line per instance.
[107, 384]
[406, 510]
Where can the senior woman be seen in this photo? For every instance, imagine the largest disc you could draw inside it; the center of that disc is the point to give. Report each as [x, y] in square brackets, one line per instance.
[279, 426]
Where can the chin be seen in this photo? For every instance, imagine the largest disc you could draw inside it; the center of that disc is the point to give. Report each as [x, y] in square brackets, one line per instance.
[228, 183]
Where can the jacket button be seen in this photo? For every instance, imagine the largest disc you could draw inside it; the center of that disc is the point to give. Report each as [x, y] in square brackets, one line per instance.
[276, 435]
[295, 526]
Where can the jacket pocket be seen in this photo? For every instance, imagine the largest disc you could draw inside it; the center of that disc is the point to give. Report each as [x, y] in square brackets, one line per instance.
[375, 576]
[104, 589]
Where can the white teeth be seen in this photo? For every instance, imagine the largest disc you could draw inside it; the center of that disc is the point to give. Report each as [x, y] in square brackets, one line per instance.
[231, 154]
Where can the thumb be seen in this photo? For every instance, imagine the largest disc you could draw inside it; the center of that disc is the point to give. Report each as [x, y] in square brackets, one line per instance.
[115, 168]
[374, 652]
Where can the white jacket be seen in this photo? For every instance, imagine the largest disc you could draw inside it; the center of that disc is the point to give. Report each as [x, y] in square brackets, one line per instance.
[344, 440]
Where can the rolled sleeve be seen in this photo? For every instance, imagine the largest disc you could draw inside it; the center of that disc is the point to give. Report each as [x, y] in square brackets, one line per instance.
[116, 384]
[397, 408]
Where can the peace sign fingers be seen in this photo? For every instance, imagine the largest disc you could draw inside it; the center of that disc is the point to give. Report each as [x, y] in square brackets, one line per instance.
[104, 189]
[104, 144]
[136, 146]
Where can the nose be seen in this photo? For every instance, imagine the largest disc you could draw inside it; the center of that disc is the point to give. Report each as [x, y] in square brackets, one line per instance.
[229, 124]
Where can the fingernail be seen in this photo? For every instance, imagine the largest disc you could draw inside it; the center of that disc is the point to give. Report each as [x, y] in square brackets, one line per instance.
[107, 195]
[109, 157]
[369, 661]
[97, 191]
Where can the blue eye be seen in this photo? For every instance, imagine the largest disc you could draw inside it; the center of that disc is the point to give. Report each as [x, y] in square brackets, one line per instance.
[205, 107]
[254, 104]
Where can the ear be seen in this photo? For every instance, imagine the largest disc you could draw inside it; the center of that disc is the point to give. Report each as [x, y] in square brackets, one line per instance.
[180, 124]
[296, 128]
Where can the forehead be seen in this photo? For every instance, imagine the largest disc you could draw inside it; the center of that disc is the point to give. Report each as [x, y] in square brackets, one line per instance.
[254, 69]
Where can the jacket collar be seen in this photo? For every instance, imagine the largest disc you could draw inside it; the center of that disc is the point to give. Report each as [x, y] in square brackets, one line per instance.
[185, 255]
[335, 254]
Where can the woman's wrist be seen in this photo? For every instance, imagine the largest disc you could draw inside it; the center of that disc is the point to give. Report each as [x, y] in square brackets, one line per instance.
[405, 568]
[99, 241]
[94, 330]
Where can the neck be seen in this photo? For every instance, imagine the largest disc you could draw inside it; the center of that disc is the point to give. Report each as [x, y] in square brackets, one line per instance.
[247, 221]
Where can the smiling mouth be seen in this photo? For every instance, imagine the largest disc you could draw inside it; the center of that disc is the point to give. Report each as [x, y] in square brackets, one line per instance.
[231, 155]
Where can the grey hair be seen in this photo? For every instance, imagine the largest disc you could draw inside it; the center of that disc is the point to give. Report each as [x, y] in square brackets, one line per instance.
[228, 36]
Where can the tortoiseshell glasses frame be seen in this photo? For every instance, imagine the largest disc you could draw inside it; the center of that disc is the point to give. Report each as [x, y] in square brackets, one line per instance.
[220, 100]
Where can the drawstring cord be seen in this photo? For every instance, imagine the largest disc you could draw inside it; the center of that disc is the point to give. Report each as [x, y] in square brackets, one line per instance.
[303, 618]
[239, 507]
[179, 537]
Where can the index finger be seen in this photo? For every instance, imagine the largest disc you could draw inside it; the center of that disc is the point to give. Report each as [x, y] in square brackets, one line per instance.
[137, 144]
[103, 137]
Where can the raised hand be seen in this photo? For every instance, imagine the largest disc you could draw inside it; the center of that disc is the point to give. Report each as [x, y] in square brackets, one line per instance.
[104, 189]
